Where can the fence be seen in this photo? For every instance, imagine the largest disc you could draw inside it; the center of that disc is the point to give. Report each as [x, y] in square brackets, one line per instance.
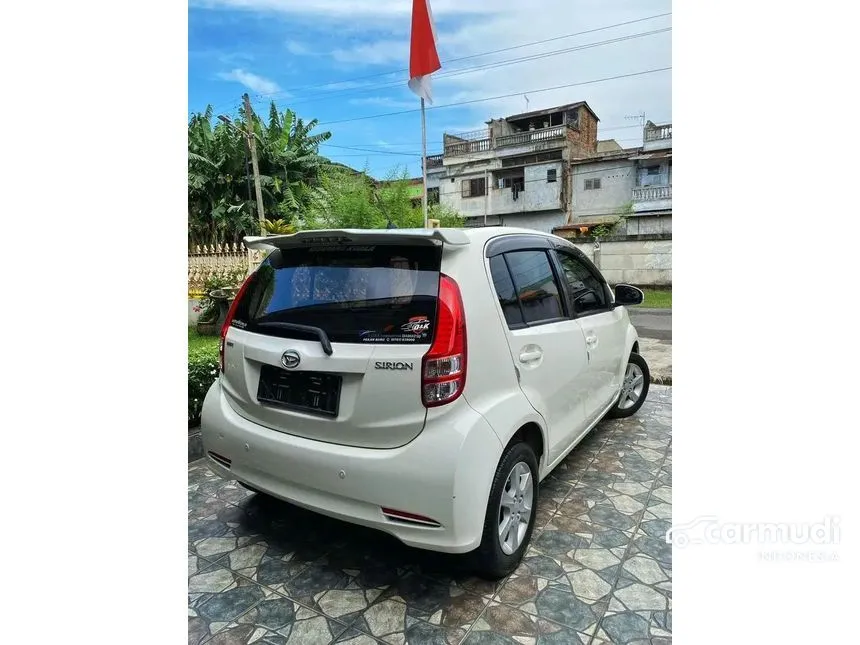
[231, 261]
[646, 261]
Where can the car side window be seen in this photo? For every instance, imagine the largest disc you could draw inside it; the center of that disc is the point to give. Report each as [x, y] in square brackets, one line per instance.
[535, 285]
[506, 292]
[585, 290]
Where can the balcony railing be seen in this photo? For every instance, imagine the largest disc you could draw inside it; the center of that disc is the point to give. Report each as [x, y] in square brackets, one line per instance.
[652, 193]
[658, 133]
[458, 145]
[434, 161]
[532, 136]
[467, 147]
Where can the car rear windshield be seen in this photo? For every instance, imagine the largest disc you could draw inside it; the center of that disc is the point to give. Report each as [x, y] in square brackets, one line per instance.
[356, 294]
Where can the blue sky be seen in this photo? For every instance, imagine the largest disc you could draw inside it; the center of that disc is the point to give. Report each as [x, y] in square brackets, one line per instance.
[343, 62]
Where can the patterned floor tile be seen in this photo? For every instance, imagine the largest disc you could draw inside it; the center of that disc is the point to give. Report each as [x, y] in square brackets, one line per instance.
[201, 506]
[217, 596]
[297, 625]
[598, 569]
[437, 603]
[653, 547]
[501, 624]
[389, 623]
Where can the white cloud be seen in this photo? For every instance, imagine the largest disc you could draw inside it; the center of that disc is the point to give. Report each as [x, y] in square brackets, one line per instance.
[385, 102]
[351, 9]
[611, 100]
[299, 49]
[386, 43]
[342, 85]
[380, 52]
[252, 81]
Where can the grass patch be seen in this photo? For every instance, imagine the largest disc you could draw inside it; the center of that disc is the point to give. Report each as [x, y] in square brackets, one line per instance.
[658, 298]
[196, 341]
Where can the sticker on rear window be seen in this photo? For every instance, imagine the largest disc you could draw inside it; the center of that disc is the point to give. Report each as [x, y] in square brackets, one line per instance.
[418, 325]
[415, 329]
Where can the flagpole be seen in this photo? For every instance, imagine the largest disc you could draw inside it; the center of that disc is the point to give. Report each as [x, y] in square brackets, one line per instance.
[424, 162]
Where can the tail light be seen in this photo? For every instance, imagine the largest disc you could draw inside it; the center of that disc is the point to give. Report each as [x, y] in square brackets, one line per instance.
[229, 319]
[443, 370]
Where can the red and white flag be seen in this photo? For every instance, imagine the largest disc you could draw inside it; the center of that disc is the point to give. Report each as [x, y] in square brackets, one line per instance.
[423, 59]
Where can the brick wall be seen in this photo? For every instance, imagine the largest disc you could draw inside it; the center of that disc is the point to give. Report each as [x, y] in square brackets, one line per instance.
[583, 141]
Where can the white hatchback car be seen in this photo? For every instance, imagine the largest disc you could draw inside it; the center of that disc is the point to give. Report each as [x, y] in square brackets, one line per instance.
[420, 382]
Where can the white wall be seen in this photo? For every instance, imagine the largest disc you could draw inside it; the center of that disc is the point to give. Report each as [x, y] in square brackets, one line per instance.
[539, 195]
[617, 180]
[638, 262]
[543, 222]
[647, 225]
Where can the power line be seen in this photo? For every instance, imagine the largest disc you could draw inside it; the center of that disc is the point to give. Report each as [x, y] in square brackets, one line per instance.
[501, 96]
[470, 70]
[467, 156]
[382, 152]
[603, 129]
[471, 56]
[446, 61]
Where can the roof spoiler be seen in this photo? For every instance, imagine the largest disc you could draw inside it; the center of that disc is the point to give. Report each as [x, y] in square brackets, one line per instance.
[454, 237]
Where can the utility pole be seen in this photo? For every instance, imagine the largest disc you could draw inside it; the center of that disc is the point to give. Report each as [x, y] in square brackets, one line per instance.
[246, 149]
[252, 143]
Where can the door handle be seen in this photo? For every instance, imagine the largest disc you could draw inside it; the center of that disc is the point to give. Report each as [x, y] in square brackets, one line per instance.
[530, 356]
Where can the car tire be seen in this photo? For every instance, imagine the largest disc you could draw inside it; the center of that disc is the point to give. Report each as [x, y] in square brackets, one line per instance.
[623, 408]
[490, 560]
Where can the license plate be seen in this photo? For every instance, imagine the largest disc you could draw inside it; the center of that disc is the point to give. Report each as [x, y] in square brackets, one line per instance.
[312, 392]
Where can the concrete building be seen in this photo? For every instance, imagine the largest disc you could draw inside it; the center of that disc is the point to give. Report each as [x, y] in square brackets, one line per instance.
[546, 169]
[652, 196]
[631, 187]
[516, 170]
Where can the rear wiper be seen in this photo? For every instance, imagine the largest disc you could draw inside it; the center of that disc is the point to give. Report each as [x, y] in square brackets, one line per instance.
[308, 329]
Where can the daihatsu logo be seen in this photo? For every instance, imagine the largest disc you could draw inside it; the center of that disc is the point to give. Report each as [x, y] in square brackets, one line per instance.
[291, 359]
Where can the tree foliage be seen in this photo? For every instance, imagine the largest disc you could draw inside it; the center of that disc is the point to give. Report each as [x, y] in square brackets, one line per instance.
[348, 199]
[301, 188]
[221, 201]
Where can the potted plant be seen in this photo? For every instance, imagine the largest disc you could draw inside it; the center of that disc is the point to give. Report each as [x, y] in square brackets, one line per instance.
[220, 291]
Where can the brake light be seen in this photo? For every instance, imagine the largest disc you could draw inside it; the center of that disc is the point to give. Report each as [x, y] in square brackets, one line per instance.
[443, 370]
[229, 319]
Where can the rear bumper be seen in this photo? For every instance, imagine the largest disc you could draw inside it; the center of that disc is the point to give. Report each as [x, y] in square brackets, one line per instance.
[443, 474]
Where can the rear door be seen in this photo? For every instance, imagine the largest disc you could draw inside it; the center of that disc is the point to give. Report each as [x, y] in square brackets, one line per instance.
[602, 325]
[327, 340]
[547, 347]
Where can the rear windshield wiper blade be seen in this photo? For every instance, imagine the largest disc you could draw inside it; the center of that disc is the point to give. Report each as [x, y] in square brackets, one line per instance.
[308, 329]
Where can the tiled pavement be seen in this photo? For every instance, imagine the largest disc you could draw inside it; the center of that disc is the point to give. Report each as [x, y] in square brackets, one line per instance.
[598, 569]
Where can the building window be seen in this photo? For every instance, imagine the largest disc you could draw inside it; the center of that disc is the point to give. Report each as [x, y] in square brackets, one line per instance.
[551, 176]
[653, 170]
[592, 184]
[473, 187]
[433, 195]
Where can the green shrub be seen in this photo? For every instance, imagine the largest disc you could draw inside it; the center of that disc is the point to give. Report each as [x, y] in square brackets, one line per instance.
[202, 372]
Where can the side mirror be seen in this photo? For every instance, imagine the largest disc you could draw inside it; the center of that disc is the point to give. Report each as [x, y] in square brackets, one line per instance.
[626, 295]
